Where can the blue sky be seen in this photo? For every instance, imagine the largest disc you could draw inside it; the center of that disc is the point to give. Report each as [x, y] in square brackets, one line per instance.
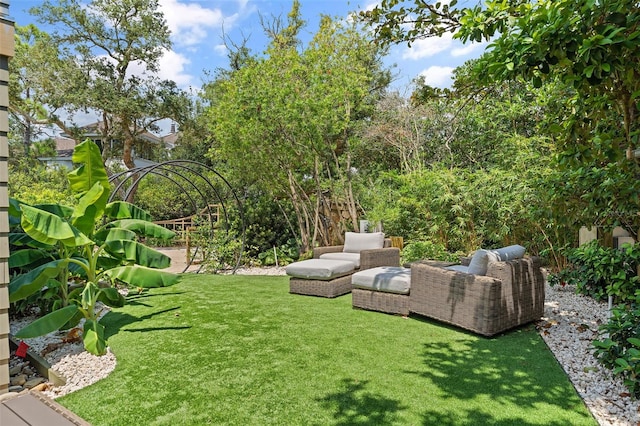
[197, 28]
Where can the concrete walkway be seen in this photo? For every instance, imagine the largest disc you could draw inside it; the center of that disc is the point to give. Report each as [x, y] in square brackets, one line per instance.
[35, 409]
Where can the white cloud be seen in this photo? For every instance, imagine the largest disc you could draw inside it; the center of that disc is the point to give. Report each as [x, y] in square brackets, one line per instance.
[189, 22]
[371, 5]
[465, 50]
[220, 49]
[172, 67]
[437, 76]
[427, 47]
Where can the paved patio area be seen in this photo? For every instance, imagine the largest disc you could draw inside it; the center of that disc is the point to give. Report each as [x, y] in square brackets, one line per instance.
[35, 409]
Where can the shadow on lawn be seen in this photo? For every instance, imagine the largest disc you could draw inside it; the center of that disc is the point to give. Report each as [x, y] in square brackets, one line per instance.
[504, 370]
[355, 406]
[137, 299]
[115, 321]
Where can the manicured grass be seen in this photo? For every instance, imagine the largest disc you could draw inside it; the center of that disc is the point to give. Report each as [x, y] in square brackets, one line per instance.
[241, 350]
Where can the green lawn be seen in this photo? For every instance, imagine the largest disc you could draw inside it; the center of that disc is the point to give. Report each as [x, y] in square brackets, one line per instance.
[241, 350]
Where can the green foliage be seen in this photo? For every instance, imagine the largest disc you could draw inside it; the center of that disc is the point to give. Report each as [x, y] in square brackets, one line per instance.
[217, 248]
[266, 223]
[597, 192]
[589, 51]
[417, 250]
[95, 241]
[69, 69]
[457, 209]
[600, 271]
[280, 256]
[34, 183]
[618, 347]
[174, 202]
[284, 121]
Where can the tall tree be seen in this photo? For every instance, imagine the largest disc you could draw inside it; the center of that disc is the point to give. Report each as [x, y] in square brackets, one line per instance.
[286, 121]
[33, 84]
[104, 42]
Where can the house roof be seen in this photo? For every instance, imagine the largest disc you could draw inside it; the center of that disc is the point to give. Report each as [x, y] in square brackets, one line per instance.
[64, 146]
[170, 139]
[94, 130]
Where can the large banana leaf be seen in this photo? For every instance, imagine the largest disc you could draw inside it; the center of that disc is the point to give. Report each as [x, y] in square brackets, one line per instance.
[21, 239]
[142, 277]
[124, 210]
[93, 337]
[91, 170]
[112, 234]
[23, 286]
[141, 227]
[90, 208]
[110, 296]
[106, 262]
[49, 229]
[25, 257]
[48, 323]
[132, 251]
[14, 212]
[57, 209]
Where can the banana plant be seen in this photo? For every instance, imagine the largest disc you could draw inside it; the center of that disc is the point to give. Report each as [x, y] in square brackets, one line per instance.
[96, 243]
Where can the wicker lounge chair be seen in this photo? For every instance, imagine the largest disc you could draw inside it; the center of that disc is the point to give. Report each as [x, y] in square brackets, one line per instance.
[511, 293]
[356, 254]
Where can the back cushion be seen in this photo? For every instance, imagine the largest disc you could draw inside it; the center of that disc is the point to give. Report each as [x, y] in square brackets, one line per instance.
[510, 252]
[480, 260]
[354, 242]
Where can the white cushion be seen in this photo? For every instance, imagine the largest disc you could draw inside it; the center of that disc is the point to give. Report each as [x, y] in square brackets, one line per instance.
[510, 252]
[459, 268]
[340, 255]
[319, 269]
[354, 242]
[480, 260]
[388, 279]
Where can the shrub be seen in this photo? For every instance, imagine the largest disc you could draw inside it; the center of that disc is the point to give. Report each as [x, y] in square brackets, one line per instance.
[619, 346]
[280, 256]
[34, 183]
[427, 250]
[459, 209]
[599, 271]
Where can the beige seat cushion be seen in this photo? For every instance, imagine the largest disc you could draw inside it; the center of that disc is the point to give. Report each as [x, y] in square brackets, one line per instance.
[320, 269]
[340, 255]
[387, 279]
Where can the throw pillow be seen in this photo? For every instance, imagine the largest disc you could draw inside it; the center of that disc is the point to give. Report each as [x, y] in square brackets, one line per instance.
[510, 252]
[480, 261]
[354, 242]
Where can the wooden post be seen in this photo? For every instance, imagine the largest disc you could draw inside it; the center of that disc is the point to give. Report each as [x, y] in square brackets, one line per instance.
[397, 242]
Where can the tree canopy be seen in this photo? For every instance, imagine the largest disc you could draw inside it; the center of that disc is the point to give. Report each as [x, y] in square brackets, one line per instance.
[102, 57]
[286, 120]
[591, 48]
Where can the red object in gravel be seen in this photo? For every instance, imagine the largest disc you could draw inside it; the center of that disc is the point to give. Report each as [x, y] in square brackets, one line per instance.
[22, 350]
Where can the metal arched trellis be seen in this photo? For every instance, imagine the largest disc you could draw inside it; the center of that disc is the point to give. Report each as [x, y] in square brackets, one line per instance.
[194, 180]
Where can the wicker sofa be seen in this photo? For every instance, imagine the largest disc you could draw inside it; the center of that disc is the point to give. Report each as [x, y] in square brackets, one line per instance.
[511, 293]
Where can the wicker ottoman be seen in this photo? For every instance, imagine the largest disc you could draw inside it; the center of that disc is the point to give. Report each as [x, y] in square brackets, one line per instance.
[320, 277]
[382, 289]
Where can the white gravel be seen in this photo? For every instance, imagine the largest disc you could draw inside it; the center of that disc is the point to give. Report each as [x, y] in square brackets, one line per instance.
[569, 325]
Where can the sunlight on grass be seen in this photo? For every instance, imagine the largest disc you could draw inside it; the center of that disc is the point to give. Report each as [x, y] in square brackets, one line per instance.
[240, 350]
